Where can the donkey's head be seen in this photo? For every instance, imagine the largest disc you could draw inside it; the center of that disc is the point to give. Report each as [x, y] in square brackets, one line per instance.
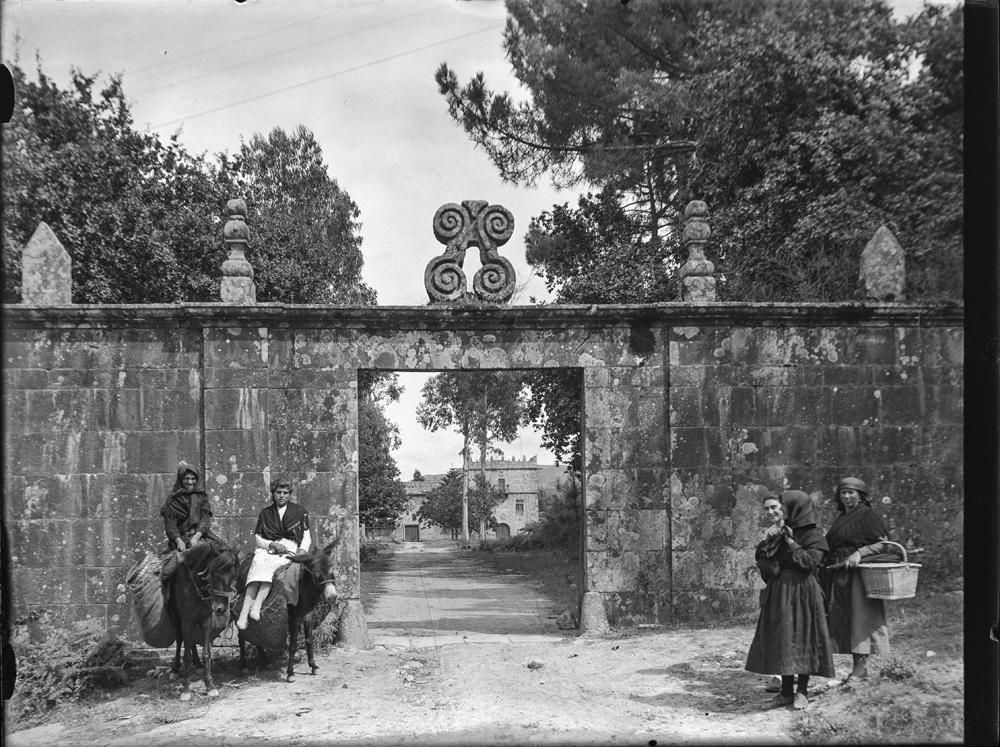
[219, 575]
[318, 564]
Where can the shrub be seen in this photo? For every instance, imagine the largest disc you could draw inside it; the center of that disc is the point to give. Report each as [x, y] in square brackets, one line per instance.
[558, 525]
[63, 664]
[369, 549]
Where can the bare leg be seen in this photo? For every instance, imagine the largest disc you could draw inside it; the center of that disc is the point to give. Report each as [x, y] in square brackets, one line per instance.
[258, 601]
[248, 600]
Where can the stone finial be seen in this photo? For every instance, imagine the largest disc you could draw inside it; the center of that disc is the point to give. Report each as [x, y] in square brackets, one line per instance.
[883, 267]
[697, 279]
[473, 223]
[237, 285]
[46, 270]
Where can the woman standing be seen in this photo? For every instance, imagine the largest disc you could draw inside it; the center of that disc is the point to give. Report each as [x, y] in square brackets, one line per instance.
[282, 530]
[187, 516]
[857, 623]
[791, 637]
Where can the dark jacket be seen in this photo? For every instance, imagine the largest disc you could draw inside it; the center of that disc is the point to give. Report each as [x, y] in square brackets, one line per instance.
[187, 512]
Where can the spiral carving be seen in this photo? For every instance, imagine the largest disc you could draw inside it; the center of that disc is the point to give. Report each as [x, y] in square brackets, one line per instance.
[495, 282]
[497, 224]
[449, 222]
[474, 223]
[444, 279]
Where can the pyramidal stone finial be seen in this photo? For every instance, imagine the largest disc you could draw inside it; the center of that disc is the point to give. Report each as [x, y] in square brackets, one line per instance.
[237, 286]
[883, 267]
[46, 270]
[697, 279]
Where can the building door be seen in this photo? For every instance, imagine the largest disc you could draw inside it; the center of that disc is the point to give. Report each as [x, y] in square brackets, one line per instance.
[503, 532]
[411, 533]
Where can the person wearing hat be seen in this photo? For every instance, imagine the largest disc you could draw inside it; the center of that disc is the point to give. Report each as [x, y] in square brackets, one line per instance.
[857, 624]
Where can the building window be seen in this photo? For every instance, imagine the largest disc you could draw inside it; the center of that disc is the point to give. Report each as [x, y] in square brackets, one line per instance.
[519, 506]
[502, 484]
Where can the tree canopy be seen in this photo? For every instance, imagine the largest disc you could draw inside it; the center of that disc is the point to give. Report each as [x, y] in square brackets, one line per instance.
[142, 218]
[381, 494]
[804, 127]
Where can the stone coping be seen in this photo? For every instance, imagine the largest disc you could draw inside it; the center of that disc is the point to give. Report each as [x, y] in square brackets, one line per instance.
[457, 316]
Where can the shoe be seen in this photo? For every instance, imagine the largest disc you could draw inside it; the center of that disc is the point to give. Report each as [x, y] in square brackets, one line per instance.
[801, 702]
[773, 685]
[779, 701]
[854, 679]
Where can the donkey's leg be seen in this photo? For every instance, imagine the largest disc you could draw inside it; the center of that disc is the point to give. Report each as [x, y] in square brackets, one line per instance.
[193, 653]
[307, 631]
[293, 642]
[175, 668]
[207, 650]
[243, 654]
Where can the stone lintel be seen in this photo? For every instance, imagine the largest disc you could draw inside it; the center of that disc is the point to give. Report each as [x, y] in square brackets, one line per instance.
[453, 318]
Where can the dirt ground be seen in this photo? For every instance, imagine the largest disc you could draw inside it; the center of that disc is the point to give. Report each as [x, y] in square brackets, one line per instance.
[446, 667]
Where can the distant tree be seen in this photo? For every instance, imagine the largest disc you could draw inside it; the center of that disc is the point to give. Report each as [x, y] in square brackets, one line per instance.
[483, 501]
[417, 477]
[139, 217]
[381, 494]
[305, 245]
[443, 504]
[483, 406]
[555, 408]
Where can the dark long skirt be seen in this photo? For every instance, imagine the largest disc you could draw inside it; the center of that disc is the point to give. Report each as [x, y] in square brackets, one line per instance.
[792, 635]
[857, 623]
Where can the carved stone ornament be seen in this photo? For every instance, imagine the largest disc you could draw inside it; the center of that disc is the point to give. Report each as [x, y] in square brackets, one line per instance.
[237, 286]
[474, 223]
[697, 279]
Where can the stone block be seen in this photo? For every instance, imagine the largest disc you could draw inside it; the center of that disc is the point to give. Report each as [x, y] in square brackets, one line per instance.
[232, 347]
[46, 270]
[46, 616]
[838, 444]
[144, 534]
[901, 404]
[43, 497]
[50, 585]
[888, 444]
[15, 412]
[312, 408]
[871, 346]
[236, 409]
[26, 378]
[317, 450]
[103, 584]
[630, 608]
[124, 495]
[237, 378]
[854, 406]
[695, 447]
[238, 451]
[944, 405]
[941, 445]
[608, 572]
[790, 445]
[883, 267]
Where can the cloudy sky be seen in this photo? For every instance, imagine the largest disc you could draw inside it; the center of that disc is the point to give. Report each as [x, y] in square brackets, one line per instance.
[359, 74]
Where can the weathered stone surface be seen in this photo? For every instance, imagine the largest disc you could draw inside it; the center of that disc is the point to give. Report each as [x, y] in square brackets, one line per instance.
[237, 286]
[46, 270]
[593, 618]
[352, 630]
[883, 267]
[102, 402]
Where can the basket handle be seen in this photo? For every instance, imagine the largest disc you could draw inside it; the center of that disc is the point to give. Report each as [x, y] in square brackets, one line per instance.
[890, 542]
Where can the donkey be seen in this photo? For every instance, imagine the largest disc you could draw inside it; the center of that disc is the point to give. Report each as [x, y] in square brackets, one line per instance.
[201, 595]
[315, 581]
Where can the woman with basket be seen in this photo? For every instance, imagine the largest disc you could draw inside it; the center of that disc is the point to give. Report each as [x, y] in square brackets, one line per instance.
[857, 623]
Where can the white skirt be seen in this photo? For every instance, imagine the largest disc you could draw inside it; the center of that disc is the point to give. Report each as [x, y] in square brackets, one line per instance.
[264, 564]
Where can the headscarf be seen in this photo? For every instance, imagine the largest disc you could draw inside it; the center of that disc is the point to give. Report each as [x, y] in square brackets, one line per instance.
[799, 511]
[182, 468]
[769, 546]
[852, 483]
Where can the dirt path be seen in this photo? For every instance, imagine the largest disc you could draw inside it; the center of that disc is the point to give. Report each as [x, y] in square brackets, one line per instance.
[463, 656]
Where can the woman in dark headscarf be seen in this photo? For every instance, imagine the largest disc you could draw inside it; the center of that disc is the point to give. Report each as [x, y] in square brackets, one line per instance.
[857, 623]
[187, 516]
[792, 637]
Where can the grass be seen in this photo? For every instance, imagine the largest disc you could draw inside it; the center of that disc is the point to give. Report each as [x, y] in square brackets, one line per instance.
[554, 570]
[915, 695]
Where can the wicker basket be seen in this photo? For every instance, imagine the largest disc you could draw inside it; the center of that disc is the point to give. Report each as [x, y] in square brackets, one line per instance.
[144, 582]
[890, 580]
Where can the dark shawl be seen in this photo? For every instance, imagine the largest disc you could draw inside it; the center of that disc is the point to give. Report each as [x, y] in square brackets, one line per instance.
[812, 548]
[292, 527]
[855, 529]
[184, 512]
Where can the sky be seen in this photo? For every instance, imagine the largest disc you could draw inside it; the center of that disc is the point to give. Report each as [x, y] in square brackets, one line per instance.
[360, 75]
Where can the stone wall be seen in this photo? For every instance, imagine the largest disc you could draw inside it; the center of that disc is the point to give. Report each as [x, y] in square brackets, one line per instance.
[691, 412]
